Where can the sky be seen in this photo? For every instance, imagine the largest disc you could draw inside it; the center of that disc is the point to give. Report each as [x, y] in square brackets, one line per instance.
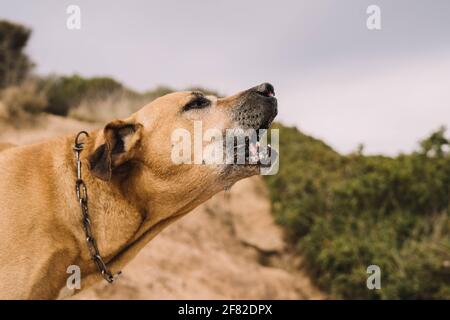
[334, 78]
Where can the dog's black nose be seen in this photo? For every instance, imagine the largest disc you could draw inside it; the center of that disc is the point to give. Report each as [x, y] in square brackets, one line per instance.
[265, 89]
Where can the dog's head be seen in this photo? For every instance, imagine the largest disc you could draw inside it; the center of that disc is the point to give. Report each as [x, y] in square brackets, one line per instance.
[145, 144]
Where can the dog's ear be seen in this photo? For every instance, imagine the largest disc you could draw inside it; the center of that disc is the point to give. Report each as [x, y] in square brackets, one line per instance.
[120, 138]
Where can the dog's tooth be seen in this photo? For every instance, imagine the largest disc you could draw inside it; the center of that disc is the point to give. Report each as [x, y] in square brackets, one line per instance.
[253, 149]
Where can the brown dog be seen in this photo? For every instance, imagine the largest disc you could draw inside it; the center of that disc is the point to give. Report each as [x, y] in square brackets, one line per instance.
[135, 189]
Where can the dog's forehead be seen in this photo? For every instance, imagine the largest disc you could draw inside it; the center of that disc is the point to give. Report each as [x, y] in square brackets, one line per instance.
[165, 105]
[174, 99]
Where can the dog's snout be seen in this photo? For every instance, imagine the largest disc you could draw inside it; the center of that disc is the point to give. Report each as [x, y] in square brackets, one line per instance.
[256, 107]
[265, 89]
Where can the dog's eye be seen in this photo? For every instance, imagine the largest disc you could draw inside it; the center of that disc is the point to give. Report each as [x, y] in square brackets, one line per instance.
[197, 103]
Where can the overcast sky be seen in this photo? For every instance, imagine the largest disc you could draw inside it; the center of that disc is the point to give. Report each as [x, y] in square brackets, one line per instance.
[334, 78]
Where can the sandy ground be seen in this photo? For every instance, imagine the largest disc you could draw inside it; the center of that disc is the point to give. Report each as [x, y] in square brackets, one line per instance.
[228, 248]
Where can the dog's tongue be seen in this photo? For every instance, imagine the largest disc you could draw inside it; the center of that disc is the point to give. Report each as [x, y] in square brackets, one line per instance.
[253, 148]
[253, 152]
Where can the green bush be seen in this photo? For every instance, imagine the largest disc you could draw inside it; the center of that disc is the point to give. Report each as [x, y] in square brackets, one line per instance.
[345, 213]
[64, 93]
[14, 63]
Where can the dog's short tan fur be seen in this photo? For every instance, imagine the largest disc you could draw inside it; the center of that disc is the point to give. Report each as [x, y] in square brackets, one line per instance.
[135, 190]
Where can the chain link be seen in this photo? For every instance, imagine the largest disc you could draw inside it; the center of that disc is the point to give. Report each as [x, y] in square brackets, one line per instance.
[82, 196]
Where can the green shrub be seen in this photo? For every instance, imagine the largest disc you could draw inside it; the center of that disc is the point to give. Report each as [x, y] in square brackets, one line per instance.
[64, 93]
[14, 63]
[345, 213]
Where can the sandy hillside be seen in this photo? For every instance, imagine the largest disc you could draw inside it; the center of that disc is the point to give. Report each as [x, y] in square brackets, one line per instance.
[228, 248]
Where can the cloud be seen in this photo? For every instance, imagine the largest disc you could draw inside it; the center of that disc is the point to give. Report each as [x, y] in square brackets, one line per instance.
[389, 105]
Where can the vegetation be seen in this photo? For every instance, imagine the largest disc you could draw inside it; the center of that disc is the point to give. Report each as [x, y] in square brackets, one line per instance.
[64, 93]
[88, 99]
[18, 102]
[345, 213]
[14, 63]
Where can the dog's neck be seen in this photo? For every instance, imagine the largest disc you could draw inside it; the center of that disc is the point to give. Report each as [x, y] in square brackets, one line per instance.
[115, 216]
[123, 217]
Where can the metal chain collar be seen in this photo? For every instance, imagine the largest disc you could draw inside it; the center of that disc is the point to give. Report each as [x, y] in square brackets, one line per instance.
[82, 196]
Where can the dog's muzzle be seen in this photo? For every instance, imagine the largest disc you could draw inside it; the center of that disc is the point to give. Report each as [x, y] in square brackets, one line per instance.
[257, 107]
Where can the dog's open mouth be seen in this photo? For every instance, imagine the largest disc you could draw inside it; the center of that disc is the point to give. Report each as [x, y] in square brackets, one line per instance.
[255, 153]
[264, 156]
